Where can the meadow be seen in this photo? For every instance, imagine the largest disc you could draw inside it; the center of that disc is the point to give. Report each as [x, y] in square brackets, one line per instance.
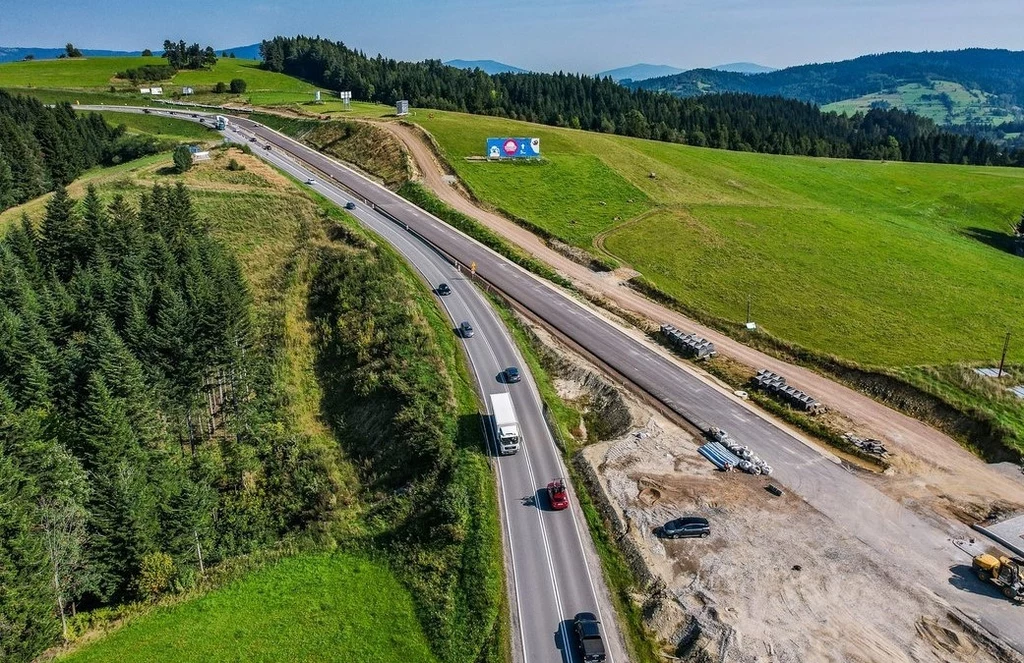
[325, 607]
[883, 263]
[161, 127]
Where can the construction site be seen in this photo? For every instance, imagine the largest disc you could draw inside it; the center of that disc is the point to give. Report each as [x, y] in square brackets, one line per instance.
[777, 580]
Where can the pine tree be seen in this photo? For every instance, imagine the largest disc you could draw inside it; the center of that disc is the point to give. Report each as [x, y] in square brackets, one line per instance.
[60, 235]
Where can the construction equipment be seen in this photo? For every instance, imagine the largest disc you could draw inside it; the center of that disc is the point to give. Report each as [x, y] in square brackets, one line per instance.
[1005, 573]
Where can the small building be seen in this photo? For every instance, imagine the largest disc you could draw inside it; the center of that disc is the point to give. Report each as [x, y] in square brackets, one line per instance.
[402, 107]
[144, 90]
[156, 90]
[202, 155]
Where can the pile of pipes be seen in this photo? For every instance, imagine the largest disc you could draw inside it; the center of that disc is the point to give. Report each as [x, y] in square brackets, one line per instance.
[690, 345]
[776, 385]
[868, 445]
[727, 454]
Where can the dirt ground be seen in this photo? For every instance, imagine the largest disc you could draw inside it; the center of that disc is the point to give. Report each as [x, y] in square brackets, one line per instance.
[776, 582]
[931, 472]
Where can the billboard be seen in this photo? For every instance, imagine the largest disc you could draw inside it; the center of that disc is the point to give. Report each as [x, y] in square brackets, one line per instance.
[513, 148]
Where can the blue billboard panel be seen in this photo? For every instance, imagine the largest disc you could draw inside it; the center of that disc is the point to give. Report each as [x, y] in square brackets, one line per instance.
[513, 148]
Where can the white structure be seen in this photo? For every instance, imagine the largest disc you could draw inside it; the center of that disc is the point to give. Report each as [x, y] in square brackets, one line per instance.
[200, 156]
[186, 90]
[316, 96]
[402, 107]
[156, 90]
[144, 90]
[346, 97]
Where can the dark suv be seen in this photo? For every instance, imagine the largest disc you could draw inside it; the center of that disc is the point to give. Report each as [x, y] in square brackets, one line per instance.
[444, 289]
[512, 374]
[588, 637]
[688, 527]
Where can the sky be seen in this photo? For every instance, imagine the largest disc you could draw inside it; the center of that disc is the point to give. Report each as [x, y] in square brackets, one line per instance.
[544, 35]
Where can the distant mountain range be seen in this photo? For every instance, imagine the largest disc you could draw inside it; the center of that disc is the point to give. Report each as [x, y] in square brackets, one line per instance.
[971, 86]
[639, 72]
[487, 66]
[16, 53]
[743, 68]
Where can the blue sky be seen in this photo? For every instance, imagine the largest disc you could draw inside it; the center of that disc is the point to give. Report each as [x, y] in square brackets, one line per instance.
[574, 35]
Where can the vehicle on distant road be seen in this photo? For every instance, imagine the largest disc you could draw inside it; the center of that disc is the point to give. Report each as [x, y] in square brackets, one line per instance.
[266, 147]
[505, 426]
[310, 181]
[444, 289]
[558, 495]
[350, 205]
[466, 329]
[512, 374]
[588, 637]
[686, 528]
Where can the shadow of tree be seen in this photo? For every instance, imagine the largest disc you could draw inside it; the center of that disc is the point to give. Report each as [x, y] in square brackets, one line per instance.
[997, 240]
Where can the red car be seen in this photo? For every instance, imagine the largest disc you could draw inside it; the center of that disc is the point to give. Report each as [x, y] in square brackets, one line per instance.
[558, 495]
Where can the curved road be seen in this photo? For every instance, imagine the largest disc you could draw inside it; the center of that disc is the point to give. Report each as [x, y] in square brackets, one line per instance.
[921, 549]
[552, 569]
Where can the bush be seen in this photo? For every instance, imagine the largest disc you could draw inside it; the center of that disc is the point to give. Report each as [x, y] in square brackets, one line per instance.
[182, 158]
[237, 86]
[155, 575]
[234, 165]
[146, 53]
[220, 88]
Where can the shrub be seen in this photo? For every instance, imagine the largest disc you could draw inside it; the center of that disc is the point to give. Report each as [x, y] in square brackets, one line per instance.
[155, 575]
[237, 86]
[220, 88]
[234, 165]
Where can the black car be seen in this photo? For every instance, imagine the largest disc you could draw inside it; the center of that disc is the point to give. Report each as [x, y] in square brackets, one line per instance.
[350, 205]
[512, 374]
[688, 527]
[443, 289]
[588, 637]
[466, 330]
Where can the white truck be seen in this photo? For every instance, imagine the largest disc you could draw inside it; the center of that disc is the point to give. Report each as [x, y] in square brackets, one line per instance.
[222, 122]
[505, 424]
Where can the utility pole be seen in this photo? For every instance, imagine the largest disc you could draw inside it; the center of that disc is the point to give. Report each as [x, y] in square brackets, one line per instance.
[199, 553]
[1006, 346]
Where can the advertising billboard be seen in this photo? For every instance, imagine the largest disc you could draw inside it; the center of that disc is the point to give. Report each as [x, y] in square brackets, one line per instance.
[513, 148]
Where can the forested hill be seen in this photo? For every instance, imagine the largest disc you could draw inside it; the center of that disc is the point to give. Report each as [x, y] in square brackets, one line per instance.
[42, 147]
[995, 71]
[730, 121]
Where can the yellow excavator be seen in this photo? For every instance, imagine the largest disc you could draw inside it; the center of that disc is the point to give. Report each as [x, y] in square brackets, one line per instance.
[1005, 573]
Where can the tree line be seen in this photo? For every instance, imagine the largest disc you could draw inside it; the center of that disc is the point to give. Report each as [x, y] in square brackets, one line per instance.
[140, 429]
[43, 147]
[728, 121]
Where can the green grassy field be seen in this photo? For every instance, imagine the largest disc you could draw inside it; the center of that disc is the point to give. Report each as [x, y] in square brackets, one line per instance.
[98, 73]
[944, 102]
[161, 127]
[309, 608]
[882, 263]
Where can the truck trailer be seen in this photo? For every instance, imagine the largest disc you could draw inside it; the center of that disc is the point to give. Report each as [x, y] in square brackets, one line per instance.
[222, 122]
[504, 424]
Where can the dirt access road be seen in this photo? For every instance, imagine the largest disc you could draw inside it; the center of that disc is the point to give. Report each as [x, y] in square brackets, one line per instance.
[933, 472]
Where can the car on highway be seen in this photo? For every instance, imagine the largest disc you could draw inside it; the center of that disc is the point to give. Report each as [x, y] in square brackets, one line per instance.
[444, 289]
[310, 181]
[558, 495]
[686, 527]
[350, 205]
[512, 374]
[588, 637]
[266, 147]
[466, 329]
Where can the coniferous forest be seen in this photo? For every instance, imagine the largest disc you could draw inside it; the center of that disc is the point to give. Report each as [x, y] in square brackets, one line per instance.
[733, 121]
[138, 424]
[44, 147]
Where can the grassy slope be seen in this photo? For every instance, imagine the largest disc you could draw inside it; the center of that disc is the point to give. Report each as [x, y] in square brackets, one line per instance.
[882, 263]
[965, 106]
[308, 608]
[161, 127]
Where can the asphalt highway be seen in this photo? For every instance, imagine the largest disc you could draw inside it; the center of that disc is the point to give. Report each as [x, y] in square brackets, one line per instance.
[922, 549]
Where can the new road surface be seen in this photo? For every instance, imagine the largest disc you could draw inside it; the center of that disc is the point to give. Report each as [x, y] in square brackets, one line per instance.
[922, 549]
